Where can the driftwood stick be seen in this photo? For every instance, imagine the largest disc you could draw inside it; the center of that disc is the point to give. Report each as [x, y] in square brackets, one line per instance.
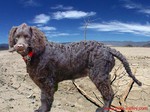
[89, 98]
[126, 93]
[92, 100]
[115, 74]
[98, 98]
[128, 89]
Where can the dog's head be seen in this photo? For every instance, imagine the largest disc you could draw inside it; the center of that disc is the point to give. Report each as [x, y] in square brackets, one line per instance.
[24, 39]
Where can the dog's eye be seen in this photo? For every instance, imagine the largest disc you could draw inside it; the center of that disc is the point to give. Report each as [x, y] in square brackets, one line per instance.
[26, 37]
[16, 39]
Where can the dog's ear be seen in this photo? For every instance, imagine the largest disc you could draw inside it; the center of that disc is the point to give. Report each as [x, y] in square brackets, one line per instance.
[11, 39]
[38, 40]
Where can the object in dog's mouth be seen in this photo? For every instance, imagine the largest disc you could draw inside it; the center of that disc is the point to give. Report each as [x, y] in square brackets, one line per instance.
[12, 49]
[19, 51]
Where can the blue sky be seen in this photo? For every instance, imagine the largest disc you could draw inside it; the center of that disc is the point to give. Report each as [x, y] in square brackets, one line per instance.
[65, 20]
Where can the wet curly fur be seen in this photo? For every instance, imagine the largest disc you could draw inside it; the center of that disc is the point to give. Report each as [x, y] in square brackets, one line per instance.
[52, 63]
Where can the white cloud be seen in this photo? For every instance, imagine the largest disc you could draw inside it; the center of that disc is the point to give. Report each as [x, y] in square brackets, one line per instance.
[138, 7]
[47, 28]
[72, 14]
[119, 27]
[61, 7]
[146, 11]
[59, 34]
[42, 19]
[132, 5]
[29, 3]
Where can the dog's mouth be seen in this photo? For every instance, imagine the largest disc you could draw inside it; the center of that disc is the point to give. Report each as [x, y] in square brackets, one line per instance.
[24, 52]
[21, 51]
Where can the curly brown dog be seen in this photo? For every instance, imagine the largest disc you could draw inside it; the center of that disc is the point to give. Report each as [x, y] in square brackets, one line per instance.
[49, 63]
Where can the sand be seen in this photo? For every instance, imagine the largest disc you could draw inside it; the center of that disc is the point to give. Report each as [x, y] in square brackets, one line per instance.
[19, 94]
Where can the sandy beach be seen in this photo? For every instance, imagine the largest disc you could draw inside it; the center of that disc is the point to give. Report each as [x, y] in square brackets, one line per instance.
[19, 94]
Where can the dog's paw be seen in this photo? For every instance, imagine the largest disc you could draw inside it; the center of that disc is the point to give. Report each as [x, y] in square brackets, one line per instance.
[99, 110]
[36, 111]
[41, 110]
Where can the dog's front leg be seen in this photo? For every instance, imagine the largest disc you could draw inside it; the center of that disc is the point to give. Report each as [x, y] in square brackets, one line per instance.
[46, 102]
[47, 87]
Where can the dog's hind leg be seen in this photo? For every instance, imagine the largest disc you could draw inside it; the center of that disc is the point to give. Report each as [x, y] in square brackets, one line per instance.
[100, 77]
[107, 94]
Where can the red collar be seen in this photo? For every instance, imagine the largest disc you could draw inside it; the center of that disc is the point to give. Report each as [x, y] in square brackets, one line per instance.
[28, 57]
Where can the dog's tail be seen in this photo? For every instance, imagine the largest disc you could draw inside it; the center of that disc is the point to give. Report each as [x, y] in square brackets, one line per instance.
[125, 63]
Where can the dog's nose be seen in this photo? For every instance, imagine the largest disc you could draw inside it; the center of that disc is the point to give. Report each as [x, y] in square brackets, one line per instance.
[19, 47]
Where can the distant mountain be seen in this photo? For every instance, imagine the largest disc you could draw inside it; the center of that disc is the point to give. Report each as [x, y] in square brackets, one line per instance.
[127, 43]
[124, 43]
[147, 44]
[4, 47]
